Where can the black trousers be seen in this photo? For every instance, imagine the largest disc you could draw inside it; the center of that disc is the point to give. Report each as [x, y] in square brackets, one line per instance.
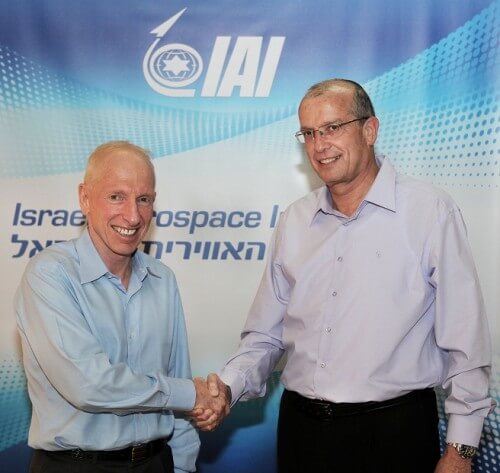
[49, 462]
[397, 439]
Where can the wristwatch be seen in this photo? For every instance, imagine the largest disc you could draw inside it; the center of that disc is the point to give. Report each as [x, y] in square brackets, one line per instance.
[465, 451]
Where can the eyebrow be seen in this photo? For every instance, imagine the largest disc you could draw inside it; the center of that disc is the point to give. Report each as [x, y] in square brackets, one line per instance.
[330, 122]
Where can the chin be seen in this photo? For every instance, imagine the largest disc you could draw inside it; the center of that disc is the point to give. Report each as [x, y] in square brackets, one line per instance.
[125, 250]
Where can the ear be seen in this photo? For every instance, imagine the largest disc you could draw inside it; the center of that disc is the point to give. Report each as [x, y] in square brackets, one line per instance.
[370, 130]
[83, 198]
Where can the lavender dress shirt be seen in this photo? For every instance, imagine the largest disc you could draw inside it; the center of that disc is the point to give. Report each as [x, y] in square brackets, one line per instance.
[371, 306]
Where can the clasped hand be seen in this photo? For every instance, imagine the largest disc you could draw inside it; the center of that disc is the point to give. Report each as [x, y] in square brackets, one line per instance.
[213, 399]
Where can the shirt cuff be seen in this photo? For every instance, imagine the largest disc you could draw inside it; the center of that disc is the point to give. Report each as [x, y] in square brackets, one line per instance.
[235, 381]
[182, 394]
[464, 429]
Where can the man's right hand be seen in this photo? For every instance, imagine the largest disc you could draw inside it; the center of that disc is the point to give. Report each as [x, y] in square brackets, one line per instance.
[213, 399]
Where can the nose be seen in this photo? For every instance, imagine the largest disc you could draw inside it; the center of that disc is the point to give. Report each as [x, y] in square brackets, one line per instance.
[131, 212]
[320, 143]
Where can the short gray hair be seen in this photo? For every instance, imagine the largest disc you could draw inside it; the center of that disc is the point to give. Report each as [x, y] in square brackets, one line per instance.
[361, 103]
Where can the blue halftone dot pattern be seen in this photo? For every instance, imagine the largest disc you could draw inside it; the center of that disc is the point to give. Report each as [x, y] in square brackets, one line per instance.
[50, 124]
[469, 53]
[15, 408]
[454, 143]
[439, 111]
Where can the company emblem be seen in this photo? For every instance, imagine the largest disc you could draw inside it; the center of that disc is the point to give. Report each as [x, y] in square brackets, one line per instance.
[171, 68]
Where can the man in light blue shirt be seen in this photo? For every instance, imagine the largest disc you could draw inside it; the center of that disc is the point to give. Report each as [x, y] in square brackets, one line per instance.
[370, 290]
[104, 339]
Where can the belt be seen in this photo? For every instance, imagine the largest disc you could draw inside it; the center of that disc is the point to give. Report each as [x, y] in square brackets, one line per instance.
[325, 410]
[132, 454]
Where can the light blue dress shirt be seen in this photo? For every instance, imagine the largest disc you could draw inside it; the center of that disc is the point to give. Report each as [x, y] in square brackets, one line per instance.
[372, 306]
[106, 367]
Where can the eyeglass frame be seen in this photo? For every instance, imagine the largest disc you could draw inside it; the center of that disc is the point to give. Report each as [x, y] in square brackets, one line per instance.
[336, 127]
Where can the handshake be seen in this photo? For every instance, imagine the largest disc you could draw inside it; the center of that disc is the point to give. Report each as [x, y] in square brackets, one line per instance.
[213, 399]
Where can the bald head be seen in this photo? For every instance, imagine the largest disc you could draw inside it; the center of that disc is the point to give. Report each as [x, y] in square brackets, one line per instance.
[361, 105]
[99, 159]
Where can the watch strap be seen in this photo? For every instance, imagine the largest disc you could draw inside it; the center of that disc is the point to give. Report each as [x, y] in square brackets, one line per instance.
[465, 451]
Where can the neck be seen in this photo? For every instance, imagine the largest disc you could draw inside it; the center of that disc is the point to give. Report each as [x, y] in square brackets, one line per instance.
[120, 266]
[346, 197]
[122, 270]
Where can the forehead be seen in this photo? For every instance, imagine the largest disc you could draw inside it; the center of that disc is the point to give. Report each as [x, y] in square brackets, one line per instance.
[327, 107]
[124, 168]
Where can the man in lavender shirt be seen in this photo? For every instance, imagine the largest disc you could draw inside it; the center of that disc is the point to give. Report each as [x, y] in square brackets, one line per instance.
[371, 291]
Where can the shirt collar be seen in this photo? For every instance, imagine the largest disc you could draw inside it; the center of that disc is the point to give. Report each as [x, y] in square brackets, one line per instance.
[324, 202]
[382, 192]
[92, 266]
[383, 189]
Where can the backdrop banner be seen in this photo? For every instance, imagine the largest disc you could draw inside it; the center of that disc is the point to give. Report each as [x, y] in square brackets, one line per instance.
[211, 89]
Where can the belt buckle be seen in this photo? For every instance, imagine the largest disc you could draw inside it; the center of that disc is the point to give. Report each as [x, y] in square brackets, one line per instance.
[326, 412]
[78, 454]
[139, 452]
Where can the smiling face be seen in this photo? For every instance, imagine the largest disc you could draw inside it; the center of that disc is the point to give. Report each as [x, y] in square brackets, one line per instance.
[117, 198]
[346, 158]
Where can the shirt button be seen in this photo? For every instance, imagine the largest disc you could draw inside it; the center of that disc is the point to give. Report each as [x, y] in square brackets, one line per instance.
[328, 329]
[334, 293]
[323, 365]
[340, 258]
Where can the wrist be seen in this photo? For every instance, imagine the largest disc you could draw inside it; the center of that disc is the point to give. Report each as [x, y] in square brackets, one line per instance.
[462, 451]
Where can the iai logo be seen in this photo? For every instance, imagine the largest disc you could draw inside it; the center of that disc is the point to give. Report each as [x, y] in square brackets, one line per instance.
[171, 68]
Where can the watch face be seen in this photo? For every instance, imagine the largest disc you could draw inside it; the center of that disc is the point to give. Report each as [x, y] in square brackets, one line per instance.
[466, 451]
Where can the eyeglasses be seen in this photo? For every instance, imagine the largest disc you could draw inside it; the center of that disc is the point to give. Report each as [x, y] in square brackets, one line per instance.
[329, 131]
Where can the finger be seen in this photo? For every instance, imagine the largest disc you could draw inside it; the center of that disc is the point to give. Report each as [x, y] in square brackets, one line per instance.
[204, 415]
[201, 424]
[209, 428]
[196, 411]
[198, 381]
[213, 384]
[219, 408]
[222, 405]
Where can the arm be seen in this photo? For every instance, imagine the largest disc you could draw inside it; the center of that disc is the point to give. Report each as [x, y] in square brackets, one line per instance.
[51, 320]
[261, 345]
[461, 328]
[185, 443]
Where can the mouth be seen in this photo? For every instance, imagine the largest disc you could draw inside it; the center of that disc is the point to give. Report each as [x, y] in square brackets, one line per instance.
[124, 231]
[329, 160]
